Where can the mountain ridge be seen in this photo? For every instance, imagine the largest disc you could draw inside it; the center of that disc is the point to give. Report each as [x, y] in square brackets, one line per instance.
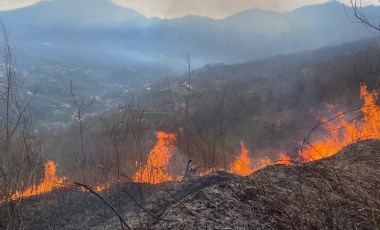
[108, 34]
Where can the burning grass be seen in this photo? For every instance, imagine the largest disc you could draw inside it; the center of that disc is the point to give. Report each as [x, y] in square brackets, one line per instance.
[48, 184]
[339, 132]
[155, 170]
[340, 192]
[242, 165]
[342, 132]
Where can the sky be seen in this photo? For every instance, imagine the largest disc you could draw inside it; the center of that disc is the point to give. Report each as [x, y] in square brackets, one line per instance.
[177, 8]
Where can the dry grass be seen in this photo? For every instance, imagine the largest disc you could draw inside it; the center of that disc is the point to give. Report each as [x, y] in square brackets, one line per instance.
[341, 192]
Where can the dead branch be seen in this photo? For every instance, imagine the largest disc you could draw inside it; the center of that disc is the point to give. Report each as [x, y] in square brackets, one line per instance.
[106, 202]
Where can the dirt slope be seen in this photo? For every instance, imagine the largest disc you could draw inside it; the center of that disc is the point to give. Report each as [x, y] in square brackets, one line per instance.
[341, 192]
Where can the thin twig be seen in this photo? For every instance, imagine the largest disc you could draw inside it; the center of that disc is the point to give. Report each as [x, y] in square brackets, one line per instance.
[106, 202]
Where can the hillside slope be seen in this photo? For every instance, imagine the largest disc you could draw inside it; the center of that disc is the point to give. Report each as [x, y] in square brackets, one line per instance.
[274, 93]
[341, 192]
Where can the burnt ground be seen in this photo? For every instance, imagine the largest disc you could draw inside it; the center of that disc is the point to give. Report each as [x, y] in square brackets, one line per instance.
[340, 192]
[71, 209]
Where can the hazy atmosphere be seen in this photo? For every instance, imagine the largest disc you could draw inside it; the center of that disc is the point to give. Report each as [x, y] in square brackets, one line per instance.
[178, 114]
[210, 8]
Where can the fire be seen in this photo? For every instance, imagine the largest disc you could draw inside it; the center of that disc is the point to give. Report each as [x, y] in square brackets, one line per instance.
[263, 162]
[283, 159]
[342, 132]
[242, 164]
[371, 111]
[48, 184]
[155, 171]
[206, 172]
[100, 188]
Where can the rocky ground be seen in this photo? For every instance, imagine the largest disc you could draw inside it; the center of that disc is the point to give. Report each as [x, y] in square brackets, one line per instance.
[341, 192]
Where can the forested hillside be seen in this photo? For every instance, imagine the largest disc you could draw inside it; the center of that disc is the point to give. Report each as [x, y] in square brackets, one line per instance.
[271, 104]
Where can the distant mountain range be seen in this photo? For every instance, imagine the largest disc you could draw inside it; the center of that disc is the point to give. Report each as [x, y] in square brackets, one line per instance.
[99, 33]
[111, 52]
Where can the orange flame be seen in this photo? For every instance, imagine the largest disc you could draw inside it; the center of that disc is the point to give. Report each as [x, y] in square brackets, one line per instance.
[207, 172]
[263, 162]
[99, 188]
[241, 165]
[155, 171]
[48, 184]
[342, 132]
[283, 159]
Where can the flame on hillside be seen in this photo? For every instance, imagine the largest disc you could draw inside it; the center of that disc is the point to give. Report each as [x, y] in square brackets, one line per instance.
[99, 188]
[283, 159]
[342, 132]
[155, 170]
[242, 165]
[48, 184]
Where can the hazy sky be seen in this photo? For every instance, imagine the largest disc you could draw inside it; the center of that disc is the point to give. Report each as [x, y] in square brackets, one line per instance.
[12, 4]
[178, 8]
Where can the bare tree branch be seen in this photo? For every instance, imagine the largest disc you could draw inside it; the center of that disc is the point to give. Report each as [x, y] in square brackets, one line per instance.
[106, 202]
